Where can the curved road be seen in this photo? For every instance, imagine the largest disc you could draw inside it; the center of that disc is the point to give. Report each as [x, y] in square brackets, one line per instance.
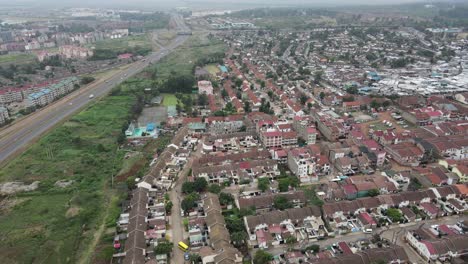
[16, 138]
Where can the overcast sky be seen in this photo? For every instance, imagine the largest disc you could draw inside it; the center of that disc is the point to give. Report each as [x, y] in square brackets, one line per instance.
[195, 3]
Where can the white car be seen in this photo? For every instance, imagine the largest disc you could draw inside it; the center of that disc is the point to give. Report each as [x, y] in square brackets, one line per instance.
[91, 96]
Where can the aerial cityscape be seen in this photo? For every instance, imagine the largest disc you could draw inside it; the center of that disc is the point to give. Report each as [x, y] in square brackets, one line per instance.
[218, 132]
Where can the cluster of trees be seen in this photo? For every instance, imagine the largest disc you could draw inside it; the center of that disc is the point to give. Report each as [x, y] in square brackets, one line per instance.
[87, 79]
[212, 58]
[265, 107]
[75, 28]
[178, 83]
[192, 190]
[184, 103]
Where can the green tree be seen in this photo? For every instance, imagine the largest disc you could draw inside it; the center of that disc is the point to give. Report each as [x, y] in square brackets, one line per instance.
[373, 192]
[394, 214]
[281, 202]
[263, 184]
[303, 99]
[226, 198]
[262, 257]
[318, 76]
[203, 99]
[315, 248]
[214, 188]
[224, 93]
[168, 206]
[247, 107]
[164, 247]
[322, 95]
[238, 238]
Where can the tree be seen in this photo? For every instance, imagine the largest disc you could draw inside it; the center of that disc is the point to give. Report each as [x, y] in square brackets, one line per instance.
[374, 104]
[263, 184]
[87, 79]
[189, 201]
[281, 202]
[214, 188]
[164, 247]
[291, 240]
[203, 99]
[200, 184]
[373, 192]
[322, 95]
[262, 257]
[238, 238]
[238, 82]
[352, 90]
[318, 77]
[247, 107]
[225, 198]
[224, 93]
[315, 248]
[394, 214]
[168, 207]
[303, 99]
[195, 258]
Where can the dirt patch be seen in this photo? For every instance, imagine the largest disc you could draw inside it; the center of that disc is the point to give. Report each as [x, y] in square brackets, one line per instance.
[63, 183]
[72, 212]
[8, 203]
[15, 187]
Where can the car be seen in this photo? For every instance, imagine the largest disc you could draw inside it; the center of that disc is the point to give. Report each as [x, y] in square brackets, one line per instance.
[187, 256]
[91, 96]
[107, 81]
[70, 103]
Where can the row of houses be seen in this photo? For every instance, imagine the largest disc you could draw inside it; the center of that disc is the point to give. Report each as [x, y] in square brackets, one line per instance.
[144, 225]
[18, 94]
[4, 116]
[50, 93]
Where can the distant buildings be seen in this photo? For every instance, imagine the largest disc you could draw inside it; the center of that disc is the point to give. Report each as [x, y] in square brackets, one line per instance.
[74, 52]
[205, 87]
[3, 115]
[50, 93]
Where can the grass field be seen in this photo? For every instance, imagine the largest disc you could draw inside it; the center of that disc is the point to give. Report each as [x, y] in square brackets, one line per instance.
[212, 69]
[17, 58]
[59, 225]
[123, 43]
[182, 61]
[169, 100]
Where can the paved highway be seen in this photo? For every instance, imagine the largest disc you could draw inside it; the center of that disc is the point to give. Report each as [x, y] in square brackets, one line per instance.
[16, 138]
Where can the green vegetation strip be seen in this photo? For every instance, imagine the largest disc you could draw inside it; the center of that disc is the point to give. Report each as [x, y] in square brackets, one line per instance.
[55, 224]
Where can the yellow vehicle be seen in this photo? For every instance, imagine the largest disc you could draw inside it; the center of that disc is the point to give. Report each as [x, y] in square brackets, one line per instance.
[183, 246]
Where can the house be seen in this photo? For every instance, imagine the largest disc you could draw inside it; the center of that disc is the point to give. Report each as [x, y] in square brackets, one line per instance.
[205, 87]
[302, 163]
[405, 153]
[366, 220]
[462, 98]
[264, 203]
[433, 248]
[4, 116]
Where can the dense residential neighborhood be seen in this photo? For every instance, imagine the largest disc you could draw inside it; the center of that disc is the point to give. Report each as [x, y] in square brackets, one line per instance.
[265, 136]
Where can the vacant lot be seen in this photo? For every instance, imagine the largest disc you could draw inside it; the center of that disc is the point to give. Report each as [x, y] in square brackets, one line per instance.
[17, 58]
[169, 100]
[212, 69]
[123, 43]
[183, 60]
[54, 224]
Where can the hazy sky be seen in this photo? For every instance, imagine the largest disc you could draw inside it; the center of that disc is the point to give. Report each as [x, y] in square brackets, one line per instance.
[196, 3]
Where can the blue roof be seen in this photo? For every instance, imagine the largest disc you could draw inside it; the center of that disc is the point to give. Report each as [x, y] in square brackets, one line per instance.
[150, 127]
[223, 68]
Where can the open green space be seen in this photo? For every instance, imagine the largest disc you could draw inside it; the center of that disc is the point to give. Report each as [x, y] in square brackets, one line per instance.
[169, 100]
[183, 61]
[57, 224]
[17, 58]
[212, 68]
[123, 43]
[68, 225]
